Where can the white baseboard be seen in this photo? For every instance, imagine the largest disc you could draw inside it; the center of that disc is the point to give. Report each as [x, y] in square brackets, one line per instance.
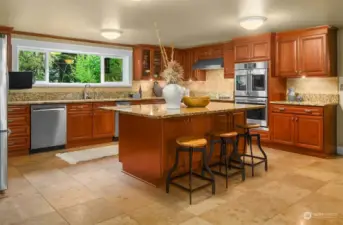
[340, 150]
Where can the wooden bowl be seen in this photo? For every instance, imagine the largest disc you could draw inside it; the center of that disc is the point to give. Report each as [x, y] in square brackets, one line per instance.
[202, 101]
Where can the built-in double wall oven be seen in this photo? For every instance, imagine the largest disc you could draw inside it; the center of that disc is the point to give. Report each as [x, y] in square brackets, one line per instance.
[251, 87]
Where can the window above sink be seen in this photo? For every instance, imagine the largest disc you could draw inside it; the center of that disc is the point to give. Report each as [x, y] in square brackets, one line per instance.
[61, 64]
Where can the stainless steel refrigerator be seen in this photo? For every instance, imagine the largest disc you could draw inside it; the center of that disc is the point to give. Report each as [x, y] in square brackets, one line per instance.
[4, 132]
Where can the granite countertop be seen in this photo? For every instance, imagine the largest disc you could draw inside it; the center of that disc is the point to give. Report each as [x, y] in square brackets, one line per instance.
[305, 103]
[79, 101]
[159, 111]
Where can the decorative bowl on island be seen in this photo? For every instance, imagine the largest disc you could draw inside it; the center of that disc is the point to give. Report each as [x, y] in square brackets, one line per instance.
[193, 102]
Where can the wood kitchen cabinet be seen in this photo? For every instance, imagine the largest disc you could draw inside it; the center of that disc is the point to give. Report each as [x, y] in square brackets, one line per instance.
[191, 57]
[253, 48]
[302, 128]
[309, 52]
[88, 124]
[229, 64]
[20, 129]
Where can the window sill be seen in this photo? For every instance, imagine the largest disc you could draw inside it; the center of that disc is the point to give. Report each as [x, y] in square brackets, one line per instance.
[47, 85]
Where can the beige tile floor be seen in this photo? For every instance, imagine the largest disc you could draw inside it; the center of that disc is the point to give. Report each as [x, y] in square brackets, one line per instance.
[43, 190]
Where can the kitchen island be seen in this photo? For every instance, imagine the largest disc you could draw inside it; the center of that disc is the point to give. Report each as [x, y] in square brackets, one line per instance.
[148, 133]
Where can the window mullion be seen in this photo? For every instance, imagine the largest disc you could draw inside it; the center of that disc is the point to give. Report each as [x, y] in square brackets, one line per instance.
[102, 70]
[47, 58]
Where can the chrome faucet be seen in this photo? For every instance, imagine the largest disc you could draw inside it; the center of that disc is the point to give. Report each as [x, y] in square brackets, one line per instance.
[85, 93]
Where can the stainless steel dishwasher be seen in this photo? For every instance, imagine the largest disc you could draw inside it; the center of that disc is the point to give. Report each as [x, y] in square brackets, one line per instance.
[48, 127]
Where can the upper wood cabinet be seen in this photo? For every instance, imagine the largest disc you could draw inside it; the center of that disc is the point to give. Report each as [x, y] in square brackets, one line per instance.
[309, 52]
[229, 64]
[253, 48]
[191, 57]
[209, 52]
[148, 62]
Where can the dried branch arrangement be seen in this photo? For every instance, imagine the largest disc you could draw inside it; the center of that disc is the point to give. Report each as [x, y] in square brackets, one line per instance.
[173, 72]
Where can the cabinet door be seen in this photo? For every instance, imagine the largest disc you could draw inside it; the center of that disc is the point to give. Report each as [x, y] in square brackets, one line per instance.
[103, 124]
[312, 55]
[157, 64]
[229, 64]
[260, 51]
[282, 127]
[286, 57]
[242, 52]
[147, 64]
[203, 53]
[79, 126]
[309, 132]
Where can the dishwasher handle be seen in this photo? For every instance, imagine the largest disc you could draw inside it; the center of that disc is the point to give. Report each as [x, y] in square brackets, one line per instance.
[45, 110]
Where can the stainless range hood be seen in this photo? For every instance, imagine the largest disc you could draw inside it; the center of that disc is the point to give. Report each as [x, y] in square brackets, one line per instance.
[209, 64]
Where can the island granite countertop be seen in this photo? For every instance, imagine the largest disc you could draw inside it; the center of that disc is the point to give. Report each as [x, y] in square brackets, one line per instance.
[159, 111]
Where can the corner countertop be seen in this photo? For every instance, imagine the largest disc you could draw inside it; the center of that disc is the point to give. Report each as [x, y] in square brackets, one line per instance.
[306, 103]
[159, 111]
[81, 101]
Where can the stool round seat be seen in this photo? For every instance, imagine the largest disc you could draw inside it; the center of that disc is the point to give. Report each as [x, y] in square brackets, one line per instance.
[224, 134]
[248, 125]
[191, 142]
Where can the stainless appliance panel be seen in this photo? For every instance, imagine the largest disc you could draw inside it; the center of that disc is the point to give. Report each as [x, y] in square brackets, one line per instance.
[256, 80]
[3, 113]
[259, 116]
[241, 82]
[48, 126]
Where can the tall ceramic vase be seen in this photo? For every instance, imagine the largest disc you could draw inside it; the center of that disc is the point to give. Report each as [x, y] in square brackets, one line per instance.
[173, 94]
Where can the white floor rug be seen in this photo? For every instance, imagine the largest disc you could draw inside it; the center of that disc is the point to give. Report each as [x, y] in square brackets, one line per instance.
[89, 154]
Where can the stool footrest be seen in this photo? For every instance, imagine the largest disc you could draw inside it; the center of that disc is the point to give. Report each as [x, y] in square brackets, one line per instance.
[193, 173]
[255, 163]
[189, 190]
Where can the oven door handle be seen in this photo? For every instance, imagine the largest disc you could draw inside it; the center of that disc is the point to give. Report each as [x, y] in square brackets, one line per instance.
[249, 82]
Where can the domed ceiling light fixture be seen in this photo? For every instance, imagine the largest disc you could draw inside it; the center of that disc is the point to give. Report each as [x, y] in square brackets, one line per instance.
[252, 22]
[111, 34]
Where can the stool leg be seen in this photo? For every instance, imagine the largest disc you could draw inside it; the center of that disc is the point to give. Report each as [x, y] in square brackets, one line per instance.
[242, 165]
[221, 155]
[232, 141]
[264, 154]
[190, 174]
[172, 170]
[252, 157]
[226, 162]
[209, 171]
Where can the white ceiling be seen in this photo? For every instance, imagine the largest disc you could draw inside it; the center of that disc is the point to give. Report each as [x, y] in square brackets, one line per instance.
[182, 22]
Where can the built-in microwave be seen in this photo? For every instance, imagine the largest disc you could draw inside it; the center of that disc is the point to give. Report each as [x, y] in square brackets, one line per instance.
[251, 79]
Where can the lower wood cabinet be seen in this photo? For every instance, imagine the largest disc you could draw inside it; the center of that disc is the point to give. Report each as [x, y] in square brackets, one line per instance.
[103, 124]
[19, 125]
[89, 124]
[303, 128]
[79, 126]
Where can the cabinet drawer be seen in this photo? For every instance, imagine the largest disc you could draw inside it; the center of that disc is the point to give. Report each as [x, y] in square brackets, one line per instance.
[19, 131]
[18, 109]
[18, 144]
[18, 120]
[102, 104]
[80, 107]
[301, 110]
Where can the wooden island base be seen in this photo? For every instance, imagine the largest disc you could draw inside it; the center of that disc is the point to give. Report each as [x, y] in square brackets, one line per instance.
[147, 146]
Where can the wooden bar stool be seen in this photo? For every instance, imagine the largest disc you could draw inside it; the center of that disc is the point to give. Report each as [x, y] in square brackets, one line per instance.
[230, 160]
[190, 145]
[248, 140]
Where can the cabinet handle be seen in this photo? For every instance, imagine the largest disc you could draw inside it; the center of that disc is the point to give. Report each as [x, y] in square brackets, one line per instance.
[11, 143]
[292, 118]
[9, 121]
[296, 119]
[308, 111]
[282, 109]
[12, 109]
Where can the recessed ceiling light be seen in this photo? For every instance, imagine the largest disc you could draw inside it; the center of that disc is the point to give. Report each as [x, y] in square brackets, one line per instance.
[252, 22]
[111, 34]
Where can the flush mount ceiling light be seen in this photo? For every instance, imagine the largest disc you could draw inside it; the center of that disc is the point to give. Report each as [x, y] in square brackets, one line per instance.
[111, 34]
[252, 23]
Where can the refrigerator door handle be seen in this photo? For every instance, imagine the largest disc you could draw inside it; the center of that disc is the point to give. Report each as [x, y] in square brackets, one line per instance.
[4, 131]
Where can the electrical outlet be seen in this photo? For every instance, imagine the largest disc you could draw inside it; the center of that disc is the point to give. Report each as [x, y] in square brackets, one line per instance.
[341, 87]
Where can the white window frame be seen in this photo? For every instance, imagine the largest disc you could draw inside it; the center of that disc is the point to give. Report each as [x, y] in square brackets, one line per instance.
[47, 47]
